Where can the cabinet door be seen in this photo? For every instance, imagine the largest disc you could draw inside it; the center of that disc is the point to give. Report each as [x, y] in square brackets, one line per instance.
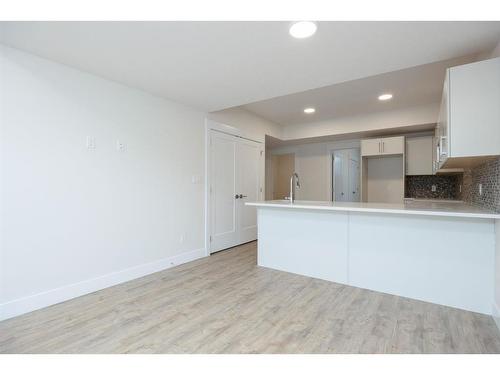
[419, 156]
[392, 145]
[443, 124]
[474, 107]
[435, 152]
[371, 147]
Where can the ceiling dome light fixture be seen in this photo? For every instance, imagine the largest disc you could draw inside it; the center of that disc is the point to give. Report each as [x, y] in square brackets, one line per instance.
[303, 29]
[385, 97]
[309, 110]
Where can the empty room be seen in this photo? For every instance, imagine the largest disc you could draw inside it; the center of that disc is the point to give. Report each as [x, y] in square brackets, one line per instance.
[249, 187]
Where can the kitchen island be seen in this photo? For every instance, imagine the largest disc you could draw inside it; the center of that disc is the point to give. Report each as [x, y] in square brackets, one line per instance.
[437, 252]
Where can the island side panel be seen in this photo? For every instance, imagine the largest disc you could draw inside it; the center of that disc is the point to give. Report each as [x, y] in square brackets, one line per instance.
[444, 260]
[309, 243]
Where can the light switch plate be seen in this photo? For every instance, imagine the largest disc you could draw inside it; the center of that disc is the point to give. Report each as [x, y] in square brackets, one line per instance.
[90, 143]
[120, 146]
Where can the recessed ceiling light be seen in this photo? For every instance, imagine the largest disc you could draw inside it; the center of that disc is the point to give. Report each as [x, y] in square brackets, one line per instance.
[385, 97]
[309, 110]
[303, 29]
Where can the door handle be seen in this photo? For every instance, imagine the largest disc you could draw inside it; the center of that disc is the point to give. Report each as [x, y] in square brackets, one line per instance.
[242, 196]
[236, 196]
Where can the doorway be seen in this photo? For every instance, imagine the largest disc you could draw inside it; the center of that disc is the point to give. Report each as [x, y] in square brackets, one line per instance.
[345, 175]
[234, 178]
[283, 166]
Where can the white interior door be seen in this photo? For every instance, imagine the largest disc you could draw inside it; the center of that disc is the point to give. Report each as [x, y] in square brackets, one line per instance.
[340, 172]
[223, 215]
[247, 182]
[353, 180]
[346, 175]
[234, 179]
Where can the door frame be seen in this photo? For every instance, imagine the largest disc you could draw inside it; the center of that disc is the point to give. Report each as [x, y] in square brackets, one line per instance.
[273, 167]
[210, 126]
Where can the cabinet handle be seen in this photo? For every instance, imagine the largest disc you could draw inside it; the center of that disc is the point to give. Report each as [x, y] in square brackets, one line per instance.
[441, 143]
[379, 147]
[383, 146]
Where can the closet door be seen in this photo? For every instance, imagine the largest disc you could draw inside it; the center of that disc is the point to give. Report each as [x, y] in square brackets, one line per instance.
[234, 178]
[223, 202]
[353, 178]
[340, 179]
[248, 187]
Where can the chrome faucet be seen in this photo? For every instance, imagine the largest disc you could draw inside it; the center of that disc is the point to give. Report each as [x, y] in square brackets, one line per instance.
[297, 184]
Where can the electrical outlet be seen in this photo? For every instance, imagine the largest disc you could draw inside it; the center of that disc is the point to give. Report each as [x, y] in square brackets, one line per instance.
[480, 189]
[182, 238]
[433, 188]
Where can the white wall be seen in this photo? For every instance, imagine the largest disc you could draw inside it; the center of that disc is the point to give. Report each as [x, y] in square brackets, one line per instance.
[253, 126]
[374, 121]
[73, 220]
[313, 164]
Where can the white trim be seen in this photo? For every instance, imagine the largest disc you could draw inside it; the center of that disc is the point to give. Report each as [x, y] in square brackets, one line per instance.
[495, 312]
[228, 129]
[24, 305]
[207, 186]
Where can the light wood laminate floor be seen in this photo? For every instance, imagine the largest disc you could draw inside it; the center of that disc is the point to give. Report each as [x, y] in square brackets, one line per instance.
[227, 304]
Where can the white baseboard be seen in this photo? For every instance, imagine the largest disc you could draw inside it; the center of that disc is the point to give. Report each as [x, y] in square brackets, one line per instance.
[496, 314]
[24, 305]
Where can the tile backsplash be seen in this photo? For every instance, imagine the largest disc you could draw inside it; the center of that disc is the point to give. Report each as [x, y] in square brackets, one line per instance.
[462, 187]
[488, 175]
[446, 187]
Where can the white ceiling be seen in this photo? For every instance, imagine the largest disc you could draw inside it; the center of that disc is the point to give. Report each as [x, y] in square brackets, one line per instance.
[410, 87]
[216, 65]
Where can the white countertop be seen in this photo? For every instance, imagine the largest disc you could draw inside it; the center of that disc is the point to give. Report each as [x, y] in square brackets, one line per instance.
[416, 207]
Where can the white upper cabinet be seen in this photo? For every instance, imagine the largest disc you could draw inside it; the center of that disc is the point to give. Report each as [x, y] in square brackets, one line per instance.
[393, 145]
[419, 156]
[370, 147]
[469, 118]
[382, 146]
